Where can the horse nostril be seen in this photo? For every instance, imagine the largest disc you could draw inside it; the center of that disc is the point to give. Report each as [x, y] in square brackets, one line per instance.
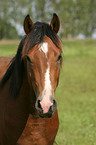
[54, 104]
[39, 105]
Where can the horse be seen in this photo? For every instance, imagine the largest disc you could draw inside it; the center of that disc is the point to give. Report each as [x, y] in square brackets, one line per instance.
[28, 109]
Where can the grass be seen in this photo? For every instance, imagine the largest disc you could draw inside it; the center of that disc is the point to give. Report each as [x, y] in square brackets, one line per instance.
[8, 48]
[76, 93]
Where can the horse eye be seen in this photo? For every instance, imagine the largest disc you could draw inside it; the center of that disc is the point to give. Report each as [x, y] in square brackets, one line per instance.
[28, 58]
[59, 57]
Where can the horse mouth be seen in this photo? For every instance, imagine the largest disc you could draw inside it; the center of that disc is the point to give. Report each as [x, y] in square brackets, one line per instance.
[46, 115]
[49, 114]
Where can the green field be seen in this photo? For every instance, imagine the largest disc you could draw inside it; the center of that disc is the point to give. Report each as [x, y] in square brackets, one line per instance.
[76, 93]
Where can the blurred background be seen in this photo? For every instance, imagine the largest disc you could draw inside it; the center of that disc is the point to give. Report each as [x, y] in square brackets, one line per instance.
[76, 93]
[77, 17]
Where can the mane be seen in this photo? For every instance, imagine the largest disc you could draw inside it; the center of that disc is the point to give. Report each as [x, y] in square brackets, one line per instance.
[16, 68]
[38, 33]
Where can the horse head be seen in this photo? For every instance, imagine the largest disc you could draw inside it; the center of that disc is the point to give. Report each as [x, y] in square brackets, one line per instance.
[42, 58]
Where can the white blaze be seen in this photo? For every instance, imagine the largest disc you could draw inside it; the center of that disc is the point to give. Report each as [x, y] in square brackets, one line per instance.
[44, 47]
[47, 92]
[48, 88]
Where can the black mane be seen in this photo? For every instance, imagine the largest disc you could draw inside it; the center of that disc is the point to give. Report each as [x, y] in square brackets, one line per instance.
[16, 68]
[38, 33]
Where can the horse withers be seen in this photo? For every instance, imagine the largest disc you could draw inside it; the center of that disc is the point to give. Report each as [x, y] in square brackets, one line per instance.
[28, 109]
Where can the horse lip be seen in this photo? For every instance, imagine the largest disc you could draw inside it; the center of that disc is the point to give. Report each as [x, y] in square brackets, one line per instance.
[46, 115]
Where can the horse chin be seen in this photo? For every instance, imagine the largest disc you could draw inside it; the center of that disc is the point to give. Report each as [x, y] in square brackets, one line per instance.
[46, 115]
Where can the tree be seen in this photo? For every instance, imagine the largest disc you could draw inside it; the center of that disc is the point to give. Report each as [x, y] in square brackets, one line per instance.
[76, 16]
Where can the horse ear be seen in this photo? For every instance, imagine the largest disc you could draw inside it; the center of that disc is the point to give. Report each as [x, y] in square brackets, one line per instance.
[55, 23]
[28, 24]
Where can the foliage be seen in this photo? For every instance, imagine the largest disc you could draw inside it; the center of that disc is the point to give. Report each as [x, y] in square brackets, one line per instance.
[7, 30]
[76, 16]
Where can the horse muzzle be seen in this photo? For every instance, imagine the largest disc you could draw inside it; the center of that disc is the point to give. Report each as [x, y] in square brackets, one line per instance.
[46, 110]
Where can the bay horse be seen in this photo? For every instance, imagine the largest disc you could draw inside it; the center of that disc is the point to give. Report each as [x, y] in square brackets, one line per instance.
[28, 109]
